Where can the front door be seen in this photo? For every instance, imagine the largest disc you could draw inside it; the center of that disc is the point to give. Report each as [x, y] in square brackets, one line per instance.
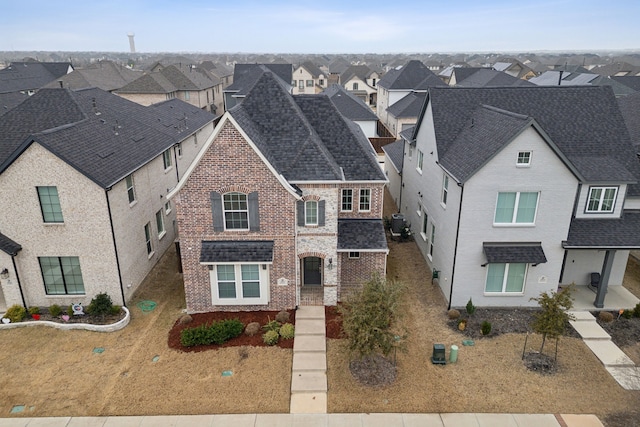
[312, 271]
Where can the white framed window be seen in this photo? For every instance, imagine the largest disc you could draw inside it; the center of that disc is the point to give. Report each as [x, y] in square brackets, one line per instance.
[187, 95]
[166, 159]
[160, 224]
[239, 284]
[365, 200]
[309, 83]
[61, 275]
[179, 149]
[147, 238]
[432, 240]
[445, 189]
[505, 278]
[420, 160]
[354, 255]
[131, 191]
[311, 212]
[347, 200]
[167, 207]
[301, 84]
[236, 211]
[516, 208]
[601, 199]
[355, 86]
[294, 83]
[524, 159]
[424, 226]
[50, 204]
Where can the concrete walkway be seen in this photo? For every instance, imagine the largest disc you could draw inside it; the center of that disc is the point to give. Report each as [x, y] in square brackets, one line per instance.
[309, 370]
[315, 420]
[619, 365]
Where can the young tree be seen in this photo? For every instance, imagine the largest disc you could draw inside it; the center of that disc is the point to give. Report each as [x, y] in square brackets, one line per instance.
[552, 320]
[370, 318]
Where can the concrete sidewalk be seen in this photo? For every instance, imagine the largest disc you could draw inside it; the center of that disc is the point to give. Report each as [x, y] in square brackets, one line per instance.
[315, 420]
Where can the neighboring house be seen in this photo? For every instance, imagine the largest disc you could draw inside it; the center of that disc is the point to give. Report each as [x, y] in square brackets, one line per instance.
[245, 77]
[83, 182]
[566, 78]
[394, 157]
[514, 68]
[617, 69]
[105, 75]
[353, 109]
[630, 109]
[308, 79]
[515, 191]
[186, 82]
[632, 82]
[404, 113]
[398, 83]
[458, 74]
[361, 81]
[20, 80]
[284, 199]
[225, 75]
[488, 77]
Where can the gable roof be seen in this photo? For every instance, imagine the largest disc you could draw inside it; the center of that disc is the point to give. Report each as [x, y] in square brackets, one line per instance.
[408, 106]
[395, 153]
[103, 136]
[251, 71]
[105, 75]
[414, 75]
[360, 71]
[584, 122]
[349, 105]
[31, 75]
[485, 77]
[632, 82]
[304, 137]
[171, 79]
[311, 68]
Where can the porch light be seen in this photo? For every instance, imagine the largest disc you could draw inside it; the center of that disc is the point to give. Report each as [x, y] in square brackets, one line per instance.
[4, 274]
[330, 263]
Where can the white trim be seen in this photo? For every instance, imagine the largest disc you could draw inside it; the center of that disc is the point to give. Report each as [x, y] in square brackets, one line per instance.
[363, 250]
[263, 283]
[207, 144]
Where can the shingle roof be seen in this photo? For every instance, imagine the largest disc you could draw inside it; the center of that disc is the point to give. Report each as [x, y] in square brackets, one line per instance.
[414, 75]
[630, 109]
[30, 75]
[360, 71]
[583, 121]
[241, 71]
[349, 105]
[9, 246]
[236, 251]
[632, 82]
[408, 106]
[311, 68]
[103, 136]
[361, 235]
[530, 253]
[304, 137]
[105, 75]
[395, 153]
[608, 233]
[486, 77]
[171, 79]
[462, 73]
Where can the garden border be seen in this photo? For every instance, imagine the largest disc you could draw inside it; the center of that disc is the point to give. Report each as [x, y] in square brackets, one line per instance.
[69, 326]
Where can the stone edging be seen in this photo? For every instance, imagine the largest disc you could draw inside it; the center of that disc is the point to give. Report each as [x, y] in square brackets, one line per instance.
[67, 326]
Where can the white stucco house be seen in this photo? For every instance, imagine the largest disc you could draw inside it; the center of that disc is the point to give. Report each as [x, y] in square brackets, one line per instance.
[83, 182]
[514, 191]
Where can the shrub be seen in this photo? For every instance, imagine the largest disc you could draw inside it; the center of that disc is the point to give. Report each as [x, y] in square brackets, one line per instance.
[252, 329]
[55, 310]
[16, 313]
[215, 333]
[636, 310]
[485, 328]
[270, 337]
[287, 331]
[100, 305]
[453, 314]
[283, 316]
[470, 308]
[70, 310]
[627, 314]
[34, 310]
[115, 309]
[462, 324]
[272, 325]
[605, 316]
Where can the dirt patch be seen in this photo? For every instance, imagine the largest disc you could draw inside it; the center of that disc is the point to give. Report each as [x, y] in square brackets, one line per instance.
[245, 317]
[540, 362]
[374, 371]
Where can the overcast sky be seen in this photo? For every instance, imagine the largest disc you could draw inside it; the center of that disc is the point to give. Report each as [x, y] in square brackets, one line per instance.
[320, 26]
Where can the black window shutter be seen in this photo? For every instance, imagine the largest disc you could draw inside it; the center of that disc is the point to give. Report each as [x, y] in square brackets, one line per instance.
[216, 211]
[321, 213]
[300, 213]
[254, 212]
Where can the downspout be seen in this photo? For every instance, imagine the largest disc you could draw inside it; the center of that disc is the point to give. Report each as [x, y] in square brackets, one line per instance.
[175, 160]
[15, 268]
[455, 250]
[115, 247]
[401, 179]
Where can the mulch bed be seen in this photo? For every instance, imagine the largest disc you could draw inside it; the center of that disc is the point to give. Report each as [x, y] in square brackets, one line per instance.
[623, 331]
[85, 318]
[246, 317]
[334, 322]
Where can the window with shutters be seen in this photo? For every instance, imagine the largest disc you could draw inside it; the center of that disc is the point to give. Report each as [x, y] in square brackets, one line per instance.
[235, 211]
[310, 213]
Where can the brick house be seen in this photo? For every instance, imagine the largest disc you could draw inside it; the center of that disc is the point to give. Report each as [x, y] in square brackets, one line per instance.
[285, 200]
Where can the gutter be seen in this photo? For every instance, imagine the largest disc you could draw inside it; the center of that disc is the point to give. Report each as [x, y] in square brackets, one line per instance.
[455, 250]
[115, 247]
[15, 269]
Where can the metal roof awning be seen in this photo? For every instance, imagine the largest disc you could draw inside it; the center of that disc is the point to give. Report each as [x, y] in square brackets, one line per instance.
[225, 251]
[520, 252]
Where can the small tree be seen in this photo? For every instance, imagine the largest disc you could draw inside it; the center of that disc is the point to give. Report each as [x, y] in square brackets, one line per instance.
[369, 317]
[552, 320]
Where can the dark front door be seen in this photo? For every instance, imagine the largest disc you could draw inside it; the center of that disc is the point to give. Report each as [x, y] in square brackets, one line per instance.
[312, 271]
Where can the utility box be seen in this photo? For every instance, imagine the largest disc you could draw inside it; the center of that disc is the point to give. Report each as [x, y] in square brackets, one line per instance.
[397, 223]
[439, 357]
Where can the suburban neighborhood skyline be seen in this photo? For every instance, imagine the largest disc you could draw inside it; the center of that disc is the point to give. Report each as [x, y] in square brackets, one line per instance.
[303, 27]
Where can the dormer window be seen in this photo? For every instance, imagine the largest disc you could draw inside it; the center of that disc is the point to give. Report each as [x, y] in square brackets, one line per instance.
[602, 199]
[524, 159]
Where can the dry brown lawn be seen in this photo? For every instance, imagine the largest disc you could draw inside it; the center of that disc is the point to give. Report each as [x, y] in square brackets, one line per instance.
[56, 373]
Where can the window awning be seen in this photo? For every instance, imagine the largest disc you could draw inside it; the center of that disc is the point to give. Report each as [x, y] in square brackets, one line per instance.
[221, 251]
[361, 235]
[520, 252]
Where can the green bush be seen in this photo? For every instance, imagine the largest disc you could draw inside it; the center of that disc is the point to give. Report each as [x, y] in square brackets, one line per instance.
[100, 305]
[272, 325]
[636, 310]
[115, 309]
[627, 314]
[70, 310]
[215, 333]
[55, 310]
[485, 328]
[16, 313]
[270, 337]
[287, 331]
[34, 310]
[470, 308]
